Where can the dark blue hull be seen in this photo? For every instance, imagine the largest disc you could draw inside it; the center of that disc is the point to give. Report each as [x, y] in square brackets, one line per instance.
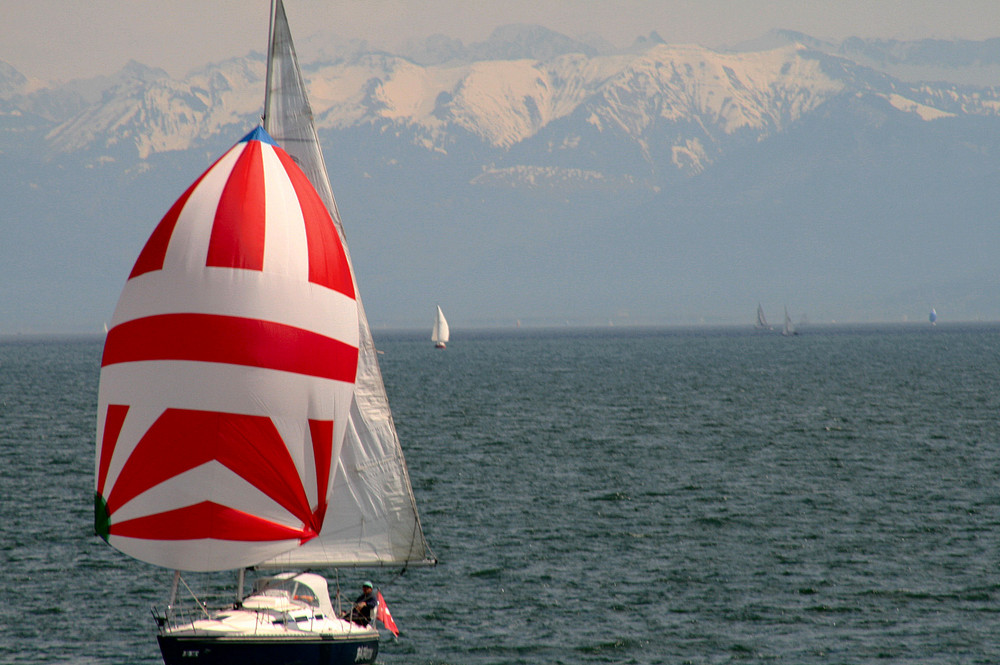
[180, 650]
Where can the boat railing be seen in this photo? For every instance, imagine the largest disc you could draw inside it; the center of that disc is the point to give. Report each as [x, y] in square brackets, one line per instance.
[176, 617]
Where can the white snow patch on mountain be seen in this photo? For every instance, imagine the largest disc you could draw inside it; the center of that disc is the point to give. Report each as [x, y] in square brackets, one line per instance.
[759, 90]
[909, 106]
[552, 177]
[690, 156]
[166, 114]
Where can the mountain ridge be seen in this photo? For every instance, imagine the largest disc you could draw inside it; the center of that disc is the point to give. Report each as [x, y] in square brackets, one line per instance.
[531, 164]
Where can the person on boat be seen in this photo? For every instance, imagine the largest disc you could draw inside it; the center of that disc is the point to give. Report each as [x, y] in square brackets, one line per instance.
[364, 605]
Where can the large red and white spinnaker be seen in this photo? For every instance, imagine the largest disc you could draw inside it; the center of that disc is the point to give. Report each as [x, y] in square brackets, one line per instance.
[228, 371]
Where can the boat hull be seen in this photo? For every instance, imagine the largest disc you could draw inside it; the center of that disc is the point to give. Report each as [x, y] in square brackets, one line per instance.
[312, 650]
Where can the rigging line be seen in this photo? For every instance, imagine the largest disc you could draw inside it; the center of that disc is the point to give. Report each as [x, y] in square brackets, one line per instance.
[201, 605]
[395, 577]
[406, 564]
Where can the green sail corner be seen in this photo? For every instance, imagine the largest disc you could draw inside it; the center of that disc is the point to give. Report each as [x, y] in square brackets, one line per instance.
[102, 520]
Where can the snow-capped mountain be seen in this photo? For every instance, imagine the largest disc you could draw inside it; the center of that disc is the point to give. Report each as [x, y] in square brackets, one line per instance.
[678, 106]
[144, 112]
[524, 154]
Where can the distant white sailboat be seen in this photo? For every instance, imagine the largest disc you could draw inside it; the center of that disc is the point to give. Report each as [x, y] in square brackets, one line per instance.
[440, 333]
[789, 328]
[933, 317]
[762, 323]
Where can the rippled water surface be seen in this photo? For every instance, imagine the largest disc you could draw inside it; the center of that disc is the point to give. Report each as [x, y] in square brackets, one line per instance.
[703, 496]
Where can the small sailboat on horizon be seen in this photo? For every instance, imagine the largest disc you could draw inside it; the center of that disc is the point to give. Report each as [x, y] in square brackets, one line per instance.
[440, 333]
[933, 317]
[762, 323]
[789, 328]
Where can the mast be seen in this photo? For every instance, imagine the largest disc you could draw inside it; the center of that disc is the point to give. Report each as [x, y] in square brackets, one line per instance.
[269, 58]
[173, 589]
[240, 577]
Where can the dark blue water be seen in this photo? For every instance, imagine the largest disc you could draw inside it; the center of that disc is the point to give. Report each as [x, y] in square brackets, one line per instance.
[614, 497]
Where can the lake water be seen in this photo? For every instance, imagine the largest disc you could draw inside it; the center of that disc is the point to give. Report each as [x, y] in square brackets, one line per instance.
[618, 496]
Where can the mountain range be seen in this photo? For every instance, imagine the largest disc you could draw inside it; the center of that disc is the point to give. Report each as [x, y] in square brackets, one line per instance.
[541, 178]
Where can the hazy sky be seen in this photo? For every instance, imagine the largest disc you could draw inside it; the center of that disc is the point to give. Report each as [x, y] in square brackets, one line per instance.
[65, 39]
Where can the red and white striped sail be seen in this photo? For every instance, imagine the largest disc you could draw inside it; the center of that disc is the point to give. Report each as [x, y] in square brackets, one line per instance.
[228, 371]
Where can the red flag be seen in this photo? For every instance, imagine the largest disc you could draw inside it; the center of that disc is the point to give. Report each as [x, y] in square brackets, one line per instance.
[382, 614]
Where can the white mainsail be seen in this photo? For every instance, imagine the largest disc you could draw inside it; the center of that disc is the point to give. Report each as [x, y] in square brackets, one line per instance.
[373, 517]
[440, 333]
[789, 328]
[762, 323]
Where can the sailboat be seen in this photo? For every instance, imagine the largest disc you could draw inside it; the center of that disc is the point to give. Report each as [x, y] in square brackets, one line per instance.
[933, 316]
[439, 334]
[789, 328]
[762, 323]
[242, 418]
